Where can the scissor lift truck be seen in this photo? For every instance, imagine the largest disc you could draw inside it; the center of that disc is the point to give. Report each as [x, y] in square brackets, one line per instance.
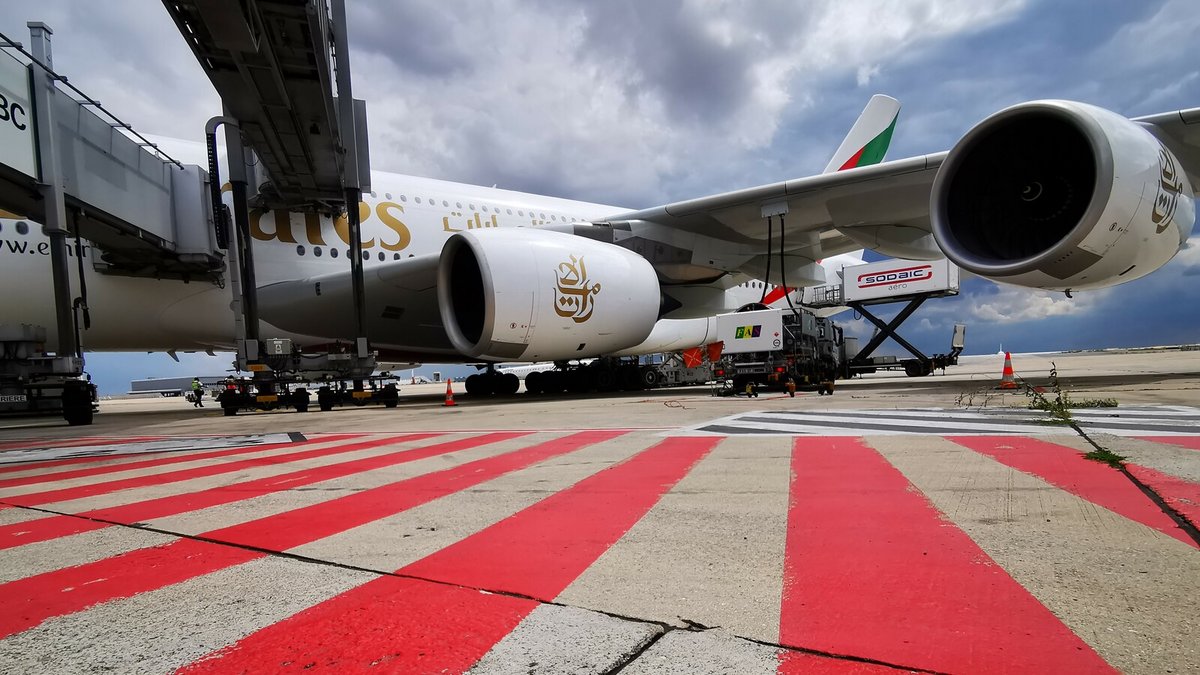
[889, 282]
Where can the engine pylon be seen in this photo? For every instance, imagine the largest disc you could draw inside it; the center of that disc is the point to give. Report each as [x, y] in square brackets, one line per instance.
[1008, 378]
[449, 393]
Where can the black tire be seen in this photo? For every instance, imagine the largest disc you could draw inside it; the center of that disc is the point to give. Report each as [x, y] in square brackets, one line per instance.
[533, 383]
[606, 379]
[300, 399]
[77, 404]
[508, 384]
[325, 405]
[917, 369]
[78, 415]
[650, 378]
[629, 378]
[325, 399]
[553, 382]
[479, 385]
[230, 411]
[580, 381]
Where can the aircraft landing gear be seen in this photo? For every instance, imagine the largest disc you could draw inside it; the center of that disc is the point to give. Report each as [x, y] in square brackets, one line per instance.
[491, 382]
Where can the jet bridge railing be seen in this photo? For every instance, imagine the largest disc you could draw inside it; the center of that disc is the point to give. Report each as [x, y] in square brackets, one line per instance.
[145, 212]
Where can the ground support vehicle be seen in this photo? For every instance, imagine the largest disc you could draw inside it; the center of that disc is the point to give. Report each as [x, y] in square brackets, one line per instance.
[33, 382]
[811, 352]
[285, 377]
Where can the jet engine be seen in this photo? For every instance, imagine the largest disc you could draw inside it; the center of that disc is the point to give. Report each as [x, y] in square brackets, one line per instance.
[1061, 195]
[538, 295]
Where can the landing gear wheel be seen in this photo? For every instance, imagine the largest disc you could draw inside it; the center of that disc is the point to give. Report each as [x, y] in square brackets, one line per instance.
[553, 382]
[629, 378]
[606, 379]
[479, 385]
[507, 384]
[533, 383]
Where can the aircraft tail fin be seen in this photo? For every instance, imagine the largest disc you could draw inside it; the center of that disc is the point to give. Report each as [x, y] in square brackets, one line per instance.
[870, 136]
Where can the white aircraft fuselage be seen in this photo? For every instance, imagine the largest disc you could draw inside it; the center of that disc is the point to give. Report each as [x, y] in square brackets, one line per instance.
[403, 217]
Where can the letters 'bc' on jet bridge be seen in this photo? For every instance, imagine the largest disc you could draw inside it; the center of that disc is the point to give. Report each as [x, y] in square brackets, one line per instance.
[67, 162]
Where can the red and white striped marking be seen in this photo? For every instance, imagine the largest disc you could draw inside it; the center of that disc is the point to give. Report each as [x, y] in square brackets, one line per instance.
[867, 574]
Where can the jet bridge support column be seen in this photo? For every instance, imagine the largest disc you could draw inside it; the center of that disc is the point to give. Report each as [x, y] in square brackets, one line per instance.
[245, 291]
[348, 131]
[55, 226]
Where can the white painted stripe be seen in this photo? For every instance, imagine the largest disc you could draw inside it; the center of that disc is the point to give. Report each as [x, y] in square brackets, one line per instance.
[142, 447]
[163, 630]
[566, 640]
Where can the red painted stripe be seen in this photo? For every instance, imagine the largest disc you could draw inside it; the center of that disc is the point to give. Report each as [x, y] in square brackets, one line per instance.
[389, 625]
[1181, 495]
[871, 568]
[542, 549]
[43, 529]
[1190, 442]
[812, 664]
[32, 600]
[776, 293]
[81, 491]
[415, 626]
[1068, 469]
[853, 161]
[173, 458]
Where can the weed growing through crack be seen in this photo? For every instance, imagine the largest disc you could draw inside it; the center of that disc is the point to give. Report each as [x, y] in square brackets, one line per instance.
[1059, 407]
[1107, 456]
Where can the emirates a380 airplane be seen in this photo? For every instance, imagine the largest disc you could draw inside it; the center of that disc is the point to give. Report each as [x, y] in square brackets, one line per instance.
[1049, 194]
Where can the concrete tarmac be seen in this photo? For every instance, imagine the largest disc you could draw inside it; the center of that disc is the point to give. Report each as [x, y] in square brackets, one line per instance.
[903, 524]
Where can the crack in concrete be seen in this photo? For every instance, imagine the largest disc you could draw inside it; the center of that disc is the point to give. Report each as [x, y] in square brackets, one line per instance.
[1183, 523]
[664, 627]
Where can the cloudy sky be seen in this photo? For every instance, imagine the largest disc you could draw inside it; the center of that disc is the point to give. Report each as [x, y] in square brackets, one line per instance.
[639, 103]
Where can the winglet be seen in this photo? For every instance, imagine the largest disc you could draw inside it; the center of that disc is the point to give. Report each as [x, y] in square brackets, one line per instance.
[870, 136]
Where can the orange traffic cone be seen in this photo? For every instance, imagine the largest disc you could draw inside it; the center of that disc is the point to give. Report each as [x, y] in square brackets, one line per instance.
[1007, 379]
[449, 393]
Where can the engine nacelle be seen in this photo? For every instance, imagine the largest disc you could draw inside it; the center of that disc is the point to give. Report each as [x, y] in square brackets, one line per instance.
[1062, 196]
[535, 295]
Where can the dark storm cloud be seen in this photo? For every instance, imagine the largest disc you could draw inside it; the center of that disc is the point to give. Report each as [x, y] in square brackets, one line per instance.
[421, 37]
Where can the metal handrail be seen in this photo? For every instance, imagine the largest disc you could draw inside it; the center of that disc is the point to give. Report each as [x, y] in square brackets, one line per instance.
[145, 142]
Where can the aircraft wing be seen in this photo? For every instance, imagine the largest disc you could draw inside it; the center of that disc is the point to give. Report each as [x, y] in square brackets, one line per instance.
[824, 215]
[887, 207]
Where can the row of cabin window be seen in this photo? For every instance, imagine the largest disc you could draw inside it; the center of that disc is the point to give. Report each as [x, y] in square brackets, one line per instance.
[495, 209]
[333, 253]
[756, 284]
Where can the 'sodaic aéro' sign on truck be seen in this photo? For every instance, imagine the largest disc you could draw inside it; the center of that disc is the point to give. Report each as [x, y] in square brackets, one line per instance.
[894, 278]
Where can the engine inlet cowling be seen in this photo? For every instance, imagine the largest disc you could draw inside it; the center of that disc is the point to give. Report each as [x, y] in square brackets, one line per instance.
[525, 294]
[1051, 194]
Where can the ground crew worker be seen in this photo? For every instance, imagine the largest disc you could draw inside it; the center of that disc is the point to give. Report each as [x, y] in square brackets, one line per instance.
[791, 387]
[750, 392]
[197, 393]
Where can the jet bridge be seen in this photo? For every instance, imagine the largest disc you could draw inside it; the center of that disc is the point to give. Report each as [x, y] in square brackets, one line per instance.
[148, 214]
[68, 163]
[282, 69]
[272, 62]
